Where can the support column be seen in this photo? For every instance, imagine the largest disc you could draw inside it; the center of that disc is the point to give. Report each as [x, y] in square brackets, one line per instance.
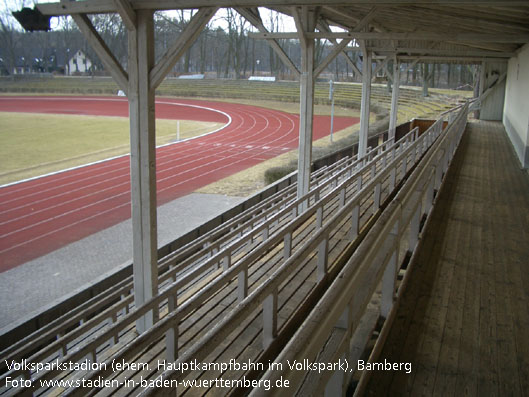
[366, 99]
[482, 82]
[394, 101]
[425, 78]
[305, 23]
[143, 165]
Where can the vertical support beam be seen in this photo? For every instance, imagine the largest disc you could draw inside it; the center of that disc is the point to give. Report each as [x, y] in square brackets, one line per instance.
[482, 82]
[394, 101]
[143, 165]
[425, 78]
[305, 22]
[366, 99]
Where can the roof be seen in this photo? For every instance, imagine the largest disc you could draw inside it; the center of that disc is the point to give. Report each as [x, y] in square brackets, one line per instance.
[463, 30]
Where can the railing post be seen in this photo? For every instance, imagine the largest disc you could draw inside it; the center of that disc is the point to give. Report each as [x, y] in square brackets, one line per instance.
[392, 179]
[125, 310]
[415, 226]
[226, 262]
[445, 159]
[265, 233]
[342, 197]
[389, 277]
[376, 197]
[413, 154]
[429, 196]
[319, 217]
[269, 319]
[355, 223]
[112, 319]
[404, 166]
[438, 173]
[171, 335]
[323, 258]
[388, 285]
[242, 284]
[287, 242]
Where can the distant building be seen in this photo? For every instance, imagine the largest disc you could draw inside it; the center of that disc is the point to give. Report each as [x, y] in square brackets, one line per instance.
[79, 63]
[22, 69]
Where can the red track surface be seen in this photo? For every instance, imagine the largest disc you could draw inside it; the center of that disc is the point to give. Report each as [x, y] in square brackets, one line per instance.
[44, 214]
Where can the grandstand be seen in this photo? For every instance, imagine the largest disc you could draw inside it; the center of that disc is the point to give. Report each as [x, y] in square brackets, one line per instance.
[409, 252]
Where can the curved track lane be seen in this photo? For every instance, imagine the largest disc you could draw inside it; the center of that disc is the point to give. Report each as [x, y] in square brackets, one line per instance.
[43, 214]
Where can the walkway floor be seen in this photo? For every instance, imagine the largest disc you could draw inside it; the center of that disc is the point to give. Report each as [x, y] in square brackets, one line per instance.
[463, 321]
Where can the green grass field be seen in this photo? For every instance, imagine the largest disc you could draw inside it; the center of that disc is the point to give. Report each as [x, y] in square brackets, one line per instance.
[36, 144]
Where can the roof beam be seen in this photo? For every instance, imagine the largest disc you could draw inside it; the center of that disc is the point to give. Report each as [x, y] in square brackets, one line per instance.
[181, 45]
[366, 19]
[380, 65]
[337, 49]
[442, 52]
[105, 6]
[128, 15]
[103, 52]
[470, 37]
[324, 27]
[448, 58]
[255, 19]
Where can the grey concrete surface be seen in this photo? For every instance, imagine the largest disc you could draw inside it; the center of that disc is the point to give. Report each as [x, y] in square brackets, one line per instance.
[27, 288]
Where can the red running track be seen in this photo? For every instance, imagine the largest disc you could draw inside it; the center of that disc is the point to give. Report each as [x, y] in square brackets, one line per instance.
[43, 214]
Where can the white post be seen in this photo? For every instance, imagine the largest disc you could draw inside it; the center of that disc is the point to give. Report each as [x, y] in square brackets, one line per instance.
[143, 165]
[482, 82]
[331, 97]
[177, 130]
[306, 97]
[364, 110]
[394, 101]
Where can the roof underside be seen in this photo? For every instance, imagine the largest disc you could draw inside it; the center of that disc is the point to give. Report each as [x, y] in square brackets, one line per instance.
[451, 30]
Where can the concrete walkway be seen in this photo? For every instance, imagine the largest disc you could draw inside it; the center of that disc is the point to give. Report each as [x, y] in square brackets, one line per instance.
[463, 319]
[29, 287]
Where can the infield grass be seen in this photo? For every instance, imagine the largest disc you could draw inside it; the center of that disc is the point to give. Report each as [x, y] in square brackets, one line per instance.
[36, 144]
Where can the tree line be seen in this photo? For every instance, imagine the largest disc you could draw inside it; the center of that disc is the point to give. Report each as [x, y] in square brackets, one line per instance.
[223, 50]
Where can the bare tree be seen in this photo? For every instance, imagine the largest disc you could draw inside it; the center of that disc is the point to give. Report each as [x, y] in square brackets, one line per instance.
[10, 33]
